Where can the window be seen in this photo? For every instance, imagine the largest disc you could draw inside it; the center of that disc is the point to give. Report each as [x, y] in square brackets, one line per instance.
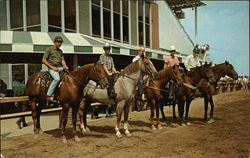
[125, 22]
[33, 68]
[117, 35]
[33, 15]
[70, 15]
[96, 24]
[147, 23]
[96, 19]
[116, 18]
[16, 15]
[140, 22]
[54, 11]
[106, 19]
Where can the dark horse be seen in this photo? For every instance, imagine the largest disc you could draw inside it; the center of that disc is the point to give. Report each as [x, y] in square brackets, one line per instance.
[220, 70]
[155, 89]
[185, 95]
[70, 90]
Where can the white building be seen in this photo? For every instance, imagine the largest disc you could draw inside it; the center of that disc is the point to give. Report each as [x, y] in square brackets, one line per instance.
[28, 27]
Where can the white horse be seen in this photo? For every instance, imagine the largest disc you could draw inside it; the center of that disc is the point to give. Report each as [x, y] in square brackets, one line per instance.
[125, 88]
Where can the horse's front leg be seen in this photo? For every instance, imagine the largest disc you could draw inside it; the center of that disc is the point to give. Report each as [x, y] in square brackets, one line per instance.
[83, 115]
[64, 119]
[119, 109]
[39, 110]
[152, 102]
[158, 123]
[126, 115]
[174, 104]
[74, 120]
[211, 120]
[205, 107]
[34, 115]
[162, 110]
[188, 102]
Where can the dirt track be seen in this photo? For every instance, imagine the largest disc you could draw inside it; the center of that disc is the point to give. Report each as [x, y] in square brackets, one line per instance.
[227, 137]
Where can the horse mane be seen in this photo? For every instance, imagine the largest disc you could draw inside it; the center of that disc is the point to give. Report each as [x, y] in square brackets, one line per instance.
[163, 73]
[131, 68]
[82, 69]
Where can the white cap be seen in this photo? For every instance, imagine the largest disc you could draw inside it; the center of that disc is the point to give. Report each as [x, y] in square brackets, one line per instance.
[172, 48]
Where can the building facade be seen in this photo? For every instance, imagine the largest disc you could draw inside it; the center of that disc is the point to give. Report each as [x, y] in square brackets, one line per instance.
[27, 28]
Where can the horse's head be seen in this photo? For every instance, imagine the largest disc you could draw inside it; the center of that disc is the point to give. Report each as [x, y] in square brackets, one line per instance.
[207, 73]
[229, 70]
[98, 74]
[147, 67]
[175, 74]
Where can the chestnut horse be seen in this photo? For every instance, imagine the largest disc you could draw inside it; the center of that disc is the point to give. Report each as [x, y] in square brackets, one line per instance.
[155, 90]
[125, 88]
[70, 89]
[220, 70]
[185, 95]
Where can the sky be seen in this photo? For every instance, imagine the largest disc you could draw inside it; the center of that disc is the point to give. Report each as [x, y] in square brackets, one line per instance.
[224, 25]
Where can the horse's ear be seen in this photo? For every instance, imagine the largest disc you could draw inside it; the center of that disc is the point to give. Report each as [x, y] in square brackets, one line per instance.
[205, 64]
[142, 56]
[226, 62]
[210, 64]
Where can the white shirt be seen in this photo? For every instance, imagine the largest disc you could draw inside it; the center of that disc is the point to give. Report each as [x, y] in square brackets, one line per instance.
[136, 58]
[191, 62]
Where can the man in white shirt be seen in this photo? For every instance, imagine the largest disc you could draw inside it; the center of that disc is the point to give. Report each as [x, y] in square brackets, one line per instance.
[141, 50]
[192, 60]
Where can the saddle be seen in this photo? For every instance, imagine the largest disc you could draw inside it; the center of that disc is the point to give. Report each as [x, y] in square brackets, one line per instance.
[45, 79]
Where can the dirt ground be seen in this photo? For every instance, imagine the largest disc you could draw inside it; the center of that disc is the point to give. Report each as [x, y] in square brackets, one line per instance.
[227, 137]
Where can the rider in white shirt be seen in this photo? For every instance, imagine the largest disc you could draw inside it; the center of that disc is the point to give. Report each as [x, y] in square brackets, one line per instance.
[141, 51]
[192, 60]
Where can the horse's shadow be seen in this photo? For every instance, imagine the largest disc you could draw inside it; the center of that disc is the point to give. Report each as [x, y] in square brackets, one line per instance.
[56, 133]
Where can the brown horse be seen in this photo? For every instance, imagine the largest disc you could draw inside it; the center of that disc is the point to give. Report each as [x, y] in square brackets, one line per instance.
[70, 89]
[156, 87]
[208, 90]
[185, 95]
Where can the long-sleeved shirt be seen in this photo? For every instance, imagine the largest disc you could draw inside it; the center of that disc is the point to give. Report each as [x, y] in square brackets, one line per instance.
[191, 62]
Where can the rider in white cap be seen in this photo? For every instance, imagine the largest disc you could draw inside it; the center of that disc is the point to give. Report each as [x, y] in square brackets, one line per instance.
[172, 59]
[108, 64]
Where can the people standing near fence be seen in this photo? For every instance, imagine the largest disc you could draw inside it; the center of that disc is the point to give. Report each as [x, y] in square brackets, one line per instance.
[19, 90]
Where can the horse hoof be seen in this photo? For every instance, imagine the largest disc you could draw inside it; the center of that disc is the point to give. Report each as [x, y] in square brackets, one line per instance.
[153, 128]
[183, 124]
[159, 127]
[128, 134]
[36, 136]
[210, 121]
[41, 131]
[77, 139]
[64, 140]
[188, 123]
[118, 135]
[87, 129]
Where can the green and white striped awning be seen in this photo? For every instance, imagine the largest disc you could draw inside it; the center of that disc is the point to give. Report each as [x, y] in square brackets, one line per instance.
[74, 43]
[37, 42]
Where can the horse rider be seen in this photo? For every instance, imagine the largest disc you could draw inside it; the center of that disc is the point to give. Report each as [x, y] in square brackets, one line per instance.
[172, 59]
[109, 67]
[192, 60]
[54, 60]
[140, 53]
